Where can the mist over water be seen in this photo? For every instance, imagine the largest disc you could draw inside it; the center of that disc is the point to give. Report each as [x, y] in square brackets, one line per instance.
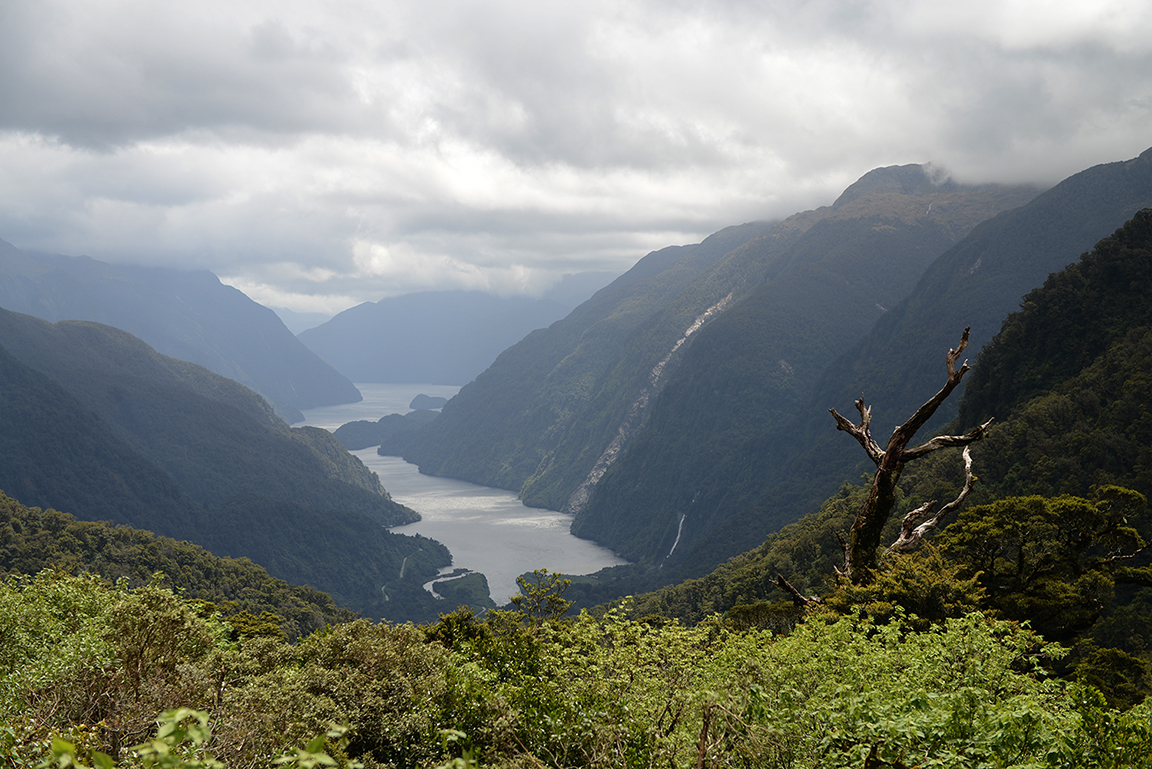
[380, 400]
[487, 530]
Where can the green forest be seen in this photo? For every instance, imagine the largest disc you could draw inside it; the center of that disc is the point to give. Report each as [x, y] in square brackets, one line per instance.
[97, 674]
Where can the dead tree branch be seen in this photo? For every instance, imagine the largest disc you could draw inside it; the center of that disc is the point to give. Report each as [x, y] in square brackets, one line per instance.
[861, 431]
[864, 538]
[912, 535]
[798, 598]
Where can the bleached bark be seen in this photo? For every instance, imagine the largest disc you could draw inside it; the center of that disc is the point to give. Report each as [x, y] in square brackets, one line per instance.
[864, 538]
[912, 535]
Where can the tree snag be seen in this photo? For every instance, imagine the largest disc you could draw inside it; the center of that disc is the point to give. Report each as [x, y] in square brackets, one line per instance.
[863, 541]
[798, 599]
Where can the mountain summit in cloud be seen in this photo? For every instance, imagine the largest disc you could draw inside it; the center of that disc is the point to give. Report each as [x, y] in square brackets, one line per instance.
[317, 156]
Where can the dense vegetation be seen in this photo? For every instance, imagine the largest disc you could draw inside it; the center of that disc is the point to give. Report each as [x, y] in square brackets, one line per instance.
[33, 540]
[1065, 324]
[93, 664]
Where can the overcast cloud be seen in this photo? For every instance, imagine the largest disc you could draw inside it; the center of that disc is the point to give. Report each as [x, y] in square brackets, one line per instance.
[317, 155]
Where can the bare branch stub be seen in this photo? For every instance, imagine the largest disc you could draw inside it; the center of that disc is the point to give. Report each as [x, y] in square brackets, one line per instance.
[864, 538]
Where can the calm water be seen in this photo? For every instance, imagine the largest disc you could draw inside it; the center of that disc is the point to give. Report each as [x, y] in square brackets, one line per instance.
[488, 530]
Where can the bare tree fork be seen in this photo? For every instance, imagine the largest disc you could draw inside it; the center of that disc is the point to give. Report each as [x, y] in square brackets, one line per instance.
[798, 598]
[912, 535]
[864, 539]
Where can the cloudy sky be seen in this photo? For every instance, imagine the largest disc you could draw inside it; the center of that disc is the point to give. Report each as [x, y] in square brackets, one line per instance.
[317, 155]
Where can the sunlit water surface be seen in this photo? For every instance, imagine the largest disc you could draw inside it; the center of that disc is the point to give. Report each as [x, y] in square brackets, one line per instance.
[487, 530]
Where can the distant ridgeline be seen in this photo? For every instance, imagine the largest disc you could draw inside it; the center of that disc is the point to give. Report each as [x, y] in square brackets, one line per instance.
[187, 314]
[439, 337]
[98, 424]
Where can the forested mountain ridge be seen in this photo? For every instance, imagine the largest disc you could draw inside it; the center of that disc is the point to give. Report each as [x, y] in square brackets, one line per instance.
[212, 435]
[1070, 372]
[977, 283]
[189, 315]
[99, 425]
[32, 540]
[58, 453]
[1065, 324]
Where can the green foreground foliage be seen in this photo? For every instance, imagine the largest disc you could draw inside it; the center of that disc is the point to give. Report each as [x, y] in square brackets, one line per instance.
[86, 666]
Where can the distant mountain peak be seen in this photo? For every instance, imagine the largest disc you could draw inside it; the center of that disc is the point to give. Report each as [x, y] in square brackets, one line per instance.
[911, 179]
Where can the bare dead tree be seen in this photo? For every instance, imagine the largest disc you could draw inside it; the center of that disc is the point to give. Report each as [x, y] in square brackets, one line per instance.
[860, 548]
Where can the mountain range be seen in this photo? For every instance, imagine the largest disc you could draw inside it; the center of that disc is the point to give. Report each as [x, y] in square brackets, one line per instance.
[680, 412]
[187, 314]
[439, 337]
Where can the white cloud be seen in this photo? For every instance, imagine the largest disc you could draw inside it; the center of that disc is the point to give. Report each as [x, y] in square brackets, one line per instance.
[329, 154]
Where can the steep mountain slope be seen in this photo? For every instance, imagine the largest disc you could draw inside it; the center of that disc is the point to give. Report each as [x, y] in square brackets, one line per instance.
[56, 453]
[1069, 372]
[98, 424]
[188, 315]
[206, 431]
[898, 365]
[499, 428]
[748, 371]
[1067, 376]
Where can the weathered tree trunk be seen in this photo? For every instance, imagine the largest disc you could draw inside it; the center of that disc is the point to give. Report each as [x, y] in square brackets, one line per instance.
[863, 541]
